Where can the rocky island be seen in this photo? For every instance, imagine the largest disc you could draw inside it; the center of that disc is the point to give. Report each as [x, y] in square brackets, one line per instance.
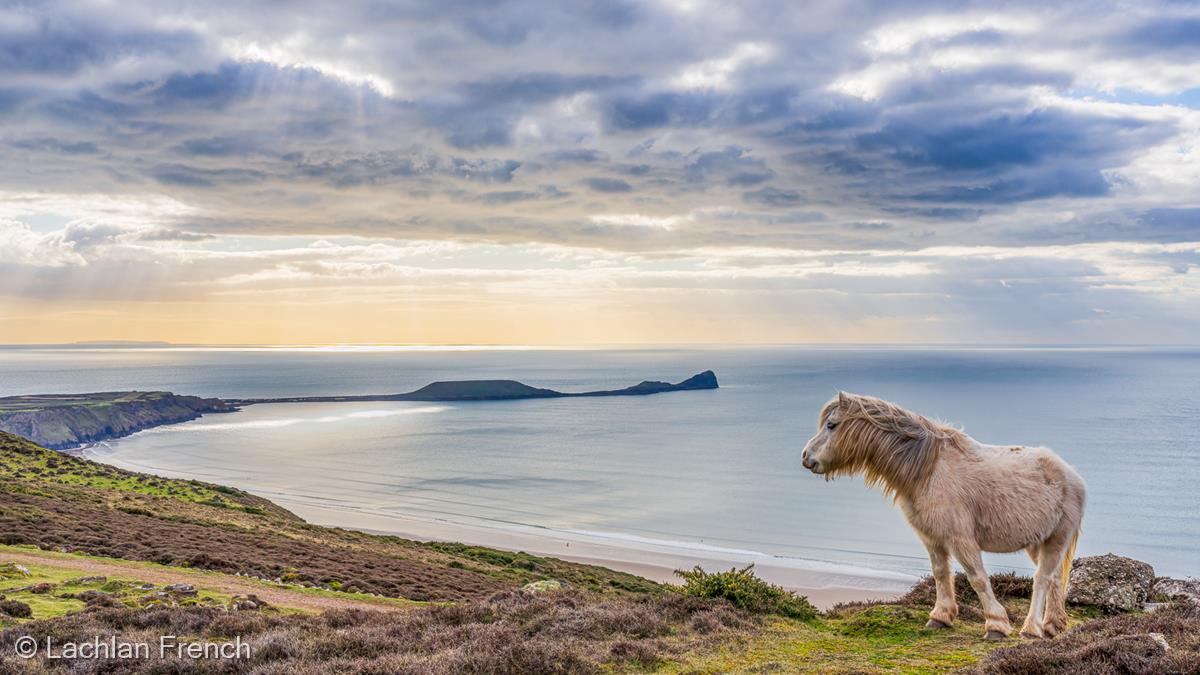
[62, 421]
[499, 390]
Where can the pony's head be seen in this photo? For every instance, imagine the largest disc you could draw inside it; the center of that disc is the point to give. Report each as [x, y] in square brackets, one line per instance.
[888, 444]
[819, 454]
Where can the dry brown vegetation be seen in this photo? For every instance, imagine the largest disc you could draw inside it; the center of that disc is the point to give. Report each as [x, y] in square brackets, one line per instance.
[1165, 641]
[510, 632]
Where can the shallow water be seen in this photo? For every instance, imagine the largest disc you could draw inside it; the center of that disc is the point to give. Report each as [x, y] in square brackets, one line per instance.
[709, 469]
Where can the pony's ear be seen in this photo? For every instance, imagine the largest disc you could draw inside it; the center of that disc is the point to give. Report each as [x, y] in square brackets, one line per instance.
[843, 399]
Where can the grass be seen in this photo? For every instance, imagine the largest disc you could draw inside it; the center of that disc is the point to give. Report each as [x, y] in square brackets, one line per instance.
[870, 638]
[127, 591]
[52, 467]
[97, 400]
[58, 574]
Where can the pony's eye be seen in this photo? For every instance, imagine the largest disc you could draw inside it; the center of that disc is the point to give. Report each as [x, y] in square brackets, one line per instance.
[830, 425]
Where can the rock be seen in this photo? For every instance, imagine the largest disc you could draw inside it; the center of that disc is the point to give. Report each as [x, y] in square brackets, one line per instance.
[90, 580]
[1176, 589]
[1110, 582]
[180, 589]
[13, 571]
[1161, 640]
[545, 586]
[247, 603]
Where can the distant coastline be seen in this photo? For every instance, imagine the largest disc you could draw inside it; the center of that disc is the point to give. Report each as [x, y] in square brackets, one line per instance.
[66, 421]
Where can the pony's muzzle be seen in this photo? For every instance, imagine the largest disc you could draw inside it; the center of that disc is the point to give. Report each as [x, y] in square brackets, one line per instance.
[809, 463]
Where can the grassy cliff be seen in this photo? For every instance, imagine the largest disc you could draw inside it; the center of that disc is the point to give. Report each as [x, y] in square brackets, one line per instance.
[68, 420]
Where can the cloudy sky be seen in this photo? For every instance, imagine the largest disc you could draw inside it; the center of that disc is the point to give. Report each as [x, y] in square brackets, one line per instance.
[599, 172]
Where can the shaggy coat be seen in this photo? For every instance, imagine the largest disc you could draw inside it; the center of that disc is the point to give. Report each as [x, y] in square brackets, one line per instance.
[962, 497]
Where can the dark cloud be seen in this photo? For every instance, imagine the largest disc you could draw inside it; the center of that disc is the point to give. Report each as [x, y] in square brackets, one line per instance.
[501, 197]
[999, 141]
[56, 145]
[576, 156]
[772, 196]
[182, 175]
[218, 146]
[539, 87]
[604, 184]
[733, 163]
[1172, 33]
[1039, 185]
[660, 110]
[486, 104]
[64, 45]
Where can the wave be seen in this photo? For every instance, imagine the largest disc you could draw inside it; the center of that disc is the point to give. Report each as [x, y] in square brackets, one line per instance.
[290, 421]
[638, 541]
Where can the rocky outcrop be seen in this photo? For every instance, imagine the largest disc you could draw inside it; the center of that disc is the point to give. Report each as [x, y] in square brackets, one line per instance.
[1167, 589]
[62, 421]
[1111, 582]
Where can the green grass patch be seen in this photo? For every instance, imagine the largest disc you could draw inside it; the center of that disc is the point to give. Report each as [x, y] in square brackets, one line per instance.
[31, 463]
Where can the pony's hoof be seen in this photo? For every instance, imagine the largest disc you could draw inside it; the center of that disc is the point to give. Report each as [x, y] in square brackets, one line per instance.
[994, 636]
[934, 623]
[1030, 636]
[1053, 627]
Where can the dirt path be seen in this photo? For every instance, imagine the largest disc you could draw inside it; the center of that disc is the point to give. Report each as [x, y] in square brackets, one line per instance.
[221, 583]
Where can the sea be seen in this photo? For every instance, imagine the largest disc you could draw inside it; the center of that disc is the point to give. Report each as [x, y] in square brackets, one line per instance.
[713, 472]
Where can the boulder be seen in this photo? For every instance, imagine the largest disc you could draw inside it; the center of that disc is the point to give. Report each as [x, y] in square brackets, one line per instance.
[13, 571]
[544, 586]
[1176, 589]
[89, 580]
[1111, 582]
[247, 603]
[180, 589]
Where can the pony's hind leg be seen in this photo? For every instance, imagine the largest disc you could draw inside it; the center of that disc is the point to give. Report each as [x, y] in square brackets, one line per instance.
[945, 609]
[1047, 613]
[997, 626]
[1056, 596]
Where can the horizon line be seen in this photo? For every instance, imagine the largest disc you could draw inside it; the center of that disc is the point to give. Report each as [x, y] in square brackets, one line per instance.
[483, 346]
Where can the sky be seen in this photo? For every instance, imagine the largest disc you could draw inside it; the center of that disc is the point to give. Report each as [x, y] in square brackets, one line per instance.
[600, 172]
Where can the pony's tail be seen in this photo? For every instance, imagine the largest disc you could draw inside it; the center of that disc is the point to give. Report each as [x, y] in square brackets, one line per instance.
[1067, 559]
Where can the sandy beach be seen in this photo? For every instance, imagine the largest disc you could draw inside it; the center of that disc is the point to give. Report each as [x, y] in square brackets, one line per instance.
[824, 583]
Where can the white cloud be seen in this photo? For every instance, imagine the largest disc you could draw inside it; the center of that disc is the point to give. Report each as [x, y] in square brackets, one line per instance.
[716, 73]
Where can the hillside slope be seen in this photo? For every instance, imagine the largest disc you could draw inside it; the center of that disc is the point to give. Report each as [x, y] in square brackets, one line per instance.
[580, 619]
[56, 501]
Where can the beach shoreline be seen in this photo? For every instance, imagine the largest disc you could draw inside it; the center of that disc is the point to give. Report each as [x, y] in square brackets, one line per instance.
[824, 583]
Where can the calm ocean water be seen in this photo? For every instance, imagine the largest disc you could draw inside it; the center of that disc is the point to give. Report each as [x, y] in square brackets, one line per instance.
[713, 469]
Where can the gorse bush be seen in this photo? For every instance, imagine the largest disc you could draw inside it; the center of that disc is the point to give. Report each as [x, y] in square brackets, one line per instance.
[746, 591]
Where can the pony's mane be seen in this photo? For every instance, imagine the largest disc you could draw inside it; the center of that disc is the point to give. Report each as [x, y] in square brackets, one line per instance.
[892, 447]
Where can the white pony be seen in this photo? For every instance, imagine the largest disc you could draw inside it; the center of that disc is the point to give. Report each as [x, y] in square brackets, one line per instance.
[962, 497]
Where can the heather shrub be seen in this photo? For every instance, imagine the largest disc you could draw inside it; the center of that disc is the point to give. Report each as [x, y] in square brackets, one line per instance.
[744, 590]
[1005, 585]
[15, 608]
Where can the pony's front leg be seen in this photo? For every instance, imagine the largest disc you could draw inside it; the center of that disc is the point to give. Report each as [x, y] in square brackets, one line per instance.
[997, 625]
[945, 610]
